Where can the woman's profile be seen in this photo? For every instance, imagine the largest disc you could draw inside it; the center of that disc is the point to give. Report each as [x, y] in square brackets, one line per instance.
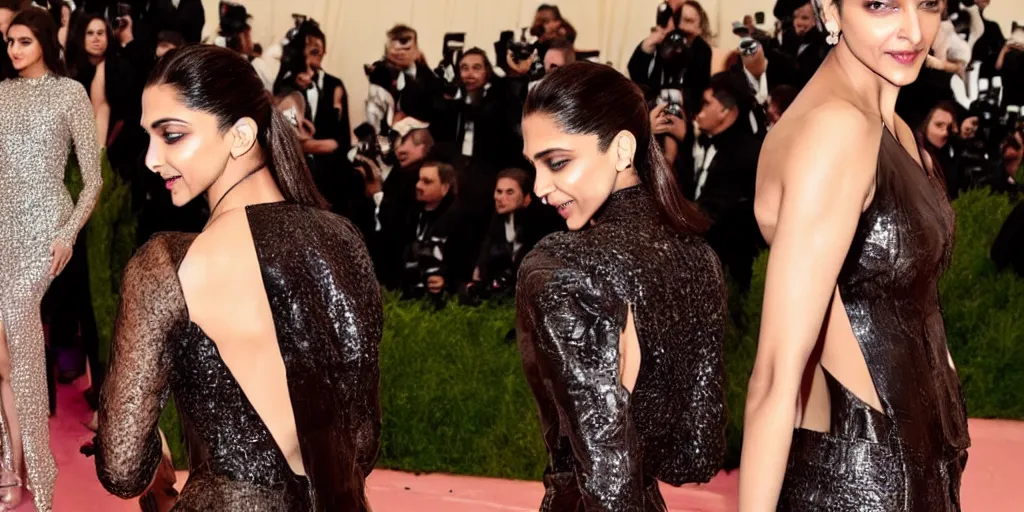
[264, 327]
[621, 319]
[852, 349]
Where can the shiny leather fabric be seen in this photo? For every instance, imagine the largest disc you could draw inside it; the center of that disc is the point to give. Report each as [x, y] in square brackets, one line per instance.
[607, 447]
[327, 312]
[909, 457]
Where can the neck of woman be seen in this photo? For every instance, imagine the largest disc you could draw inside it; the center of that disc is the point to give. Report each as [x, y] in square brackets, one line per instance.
[241, 191]
[34, 70]
[96, 60]
[870, 91]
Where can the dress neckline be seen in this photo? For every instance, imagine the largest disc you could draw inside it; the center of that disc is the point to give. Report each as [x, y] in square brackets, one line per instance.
[620, 204]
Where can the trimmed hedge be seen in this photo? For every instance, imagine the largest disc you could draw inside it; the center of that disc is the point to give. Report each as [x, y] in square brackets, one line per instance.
[455, 399]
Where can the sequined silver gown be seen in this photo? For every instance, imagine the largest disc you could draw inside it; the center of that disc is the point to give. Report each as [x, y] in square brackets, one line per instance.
[607, 447]
[39, 120]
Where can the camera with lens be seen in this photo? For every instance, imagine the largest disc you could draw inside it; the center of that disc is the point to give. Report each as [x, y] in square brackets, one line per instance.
[980, 153]
[368, 143]
[748, 46]
[522, 49]
[673, 101]
[666, 14]
[451, 52]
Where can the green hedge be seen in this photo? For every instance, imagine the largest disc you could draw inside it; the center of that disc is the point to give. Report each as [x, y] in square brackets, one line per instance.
[455, 399]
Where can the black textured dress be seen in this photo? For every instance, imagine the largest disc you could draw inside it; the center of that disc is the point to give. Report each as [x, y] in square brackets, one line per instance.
[607, 447]
[327, 312]
[909, 457]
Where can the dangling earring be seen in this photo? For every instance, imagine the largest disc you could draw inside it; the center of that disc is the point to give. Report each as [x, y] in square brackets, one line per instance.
[833, 33]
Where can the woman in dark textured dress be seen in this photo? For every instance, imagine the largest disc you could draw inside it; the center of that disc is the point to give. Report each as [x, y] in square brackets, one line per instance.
[852, 350]
[264, 327]
[621, 319]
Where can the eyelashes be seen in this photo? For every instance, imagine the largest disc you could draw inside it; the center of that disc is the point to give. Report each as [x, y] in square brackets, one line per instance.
[171, 138]
[557, 164]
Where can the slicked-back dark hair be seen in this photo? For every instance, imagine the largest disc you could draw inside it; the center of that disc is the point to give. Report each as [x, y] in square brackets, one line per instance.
[585, 98]
[222, 83]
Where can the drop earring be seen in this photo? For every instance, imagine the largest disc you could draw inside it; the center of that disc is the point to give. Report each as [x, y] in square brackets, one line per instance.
[833, 33]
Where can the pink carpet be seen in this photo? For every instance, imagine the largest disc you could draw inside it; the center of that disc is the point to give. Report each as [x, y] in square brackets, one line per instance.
[992, 482]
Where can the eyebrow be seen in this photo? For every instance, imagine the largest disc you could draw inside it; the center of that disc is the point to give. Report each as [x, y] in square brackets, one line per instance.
[160, 122]
[546, 152]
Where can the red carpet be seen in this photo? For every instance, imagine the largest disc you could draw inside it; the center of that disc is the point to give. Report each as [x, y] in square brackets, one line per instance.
[992, 482]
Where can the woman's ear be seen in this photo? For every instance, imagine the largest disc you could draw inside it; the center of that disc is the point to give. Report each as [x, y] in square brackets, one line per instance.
[243, 135]
[625, 148]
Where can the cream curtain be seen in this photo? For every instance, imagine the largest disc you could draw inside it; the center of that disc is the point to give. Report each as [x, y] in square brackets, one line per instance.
[355, 28]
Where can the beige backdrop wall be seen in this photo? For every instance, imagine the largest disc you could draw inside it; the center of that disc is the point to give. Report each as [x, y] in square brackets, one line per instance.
[355, 28]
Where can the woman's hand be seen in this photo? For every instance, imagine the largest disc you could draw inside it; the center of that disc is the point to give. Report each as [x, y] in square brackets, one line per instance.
[658, 122]
[60, 256]
[666, 123]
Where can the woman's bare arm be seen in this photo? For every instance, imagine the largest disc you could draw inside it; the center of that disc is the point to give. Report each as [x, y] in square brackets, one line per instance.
[826, 177]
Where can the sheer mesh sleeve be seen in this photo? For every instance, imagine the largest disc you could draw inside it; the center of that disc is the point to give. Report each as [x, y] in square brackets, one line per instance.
[571, 327]
[83, 131]
[128, 448]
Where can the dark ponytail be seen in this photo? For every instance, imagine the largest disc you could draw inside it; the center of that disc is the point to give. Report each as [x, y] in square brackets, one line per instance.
[593, 99]
[222, 83]
[288, 163]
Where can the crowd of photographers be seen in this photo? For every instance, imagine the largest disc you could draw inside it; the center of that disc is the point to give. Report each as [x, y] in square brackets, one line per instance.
[435, 177]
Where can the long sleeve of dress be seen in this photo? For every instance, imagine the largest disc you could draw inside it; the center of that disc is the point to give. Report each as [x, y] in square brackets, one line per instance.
[360, 334]
[572, 326]
[128, 448]
[80, 118]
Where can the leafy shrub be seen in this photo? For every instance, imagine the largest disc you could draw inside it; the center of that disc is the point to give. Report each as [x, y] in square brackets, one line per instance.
[455, 399]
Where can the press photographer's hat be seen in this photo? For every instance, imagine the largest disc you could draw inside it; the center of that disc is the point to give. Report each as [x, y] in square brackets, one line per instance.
[407, 125]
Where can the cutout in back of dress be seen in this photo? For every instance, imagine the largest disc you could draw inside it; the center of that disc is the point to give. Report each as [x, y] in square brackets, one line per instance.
[245, 338]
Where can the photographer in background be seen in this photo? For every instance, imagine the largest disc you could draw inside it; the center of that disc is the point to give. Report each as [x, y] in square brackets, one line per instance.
[401, 82]
[987, 48]
[518, 223]
[482, 122]
[676, 55]
[726, 174]
[802, 40]
[1010, 65]
[761, 73]
[393, 194]
[430, 233]
[236, 34]
[674, 133]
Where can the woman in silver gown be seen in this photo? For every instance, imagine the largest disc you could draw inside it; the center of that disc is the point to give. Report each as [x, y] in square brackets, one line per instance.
[42, 114]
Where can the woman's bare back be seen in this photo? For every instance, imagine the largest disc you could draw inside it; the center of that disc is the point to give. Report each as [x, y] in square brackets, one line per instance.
[223, 289]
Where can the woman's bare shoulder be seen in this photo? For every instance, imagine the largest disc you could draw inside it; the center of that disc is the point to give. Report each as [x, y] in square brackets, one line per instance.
[830, 137]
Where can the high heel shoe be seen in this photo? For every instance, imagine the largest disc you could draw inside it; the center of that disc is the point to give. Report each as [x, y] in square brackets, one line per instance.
[10, 490]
